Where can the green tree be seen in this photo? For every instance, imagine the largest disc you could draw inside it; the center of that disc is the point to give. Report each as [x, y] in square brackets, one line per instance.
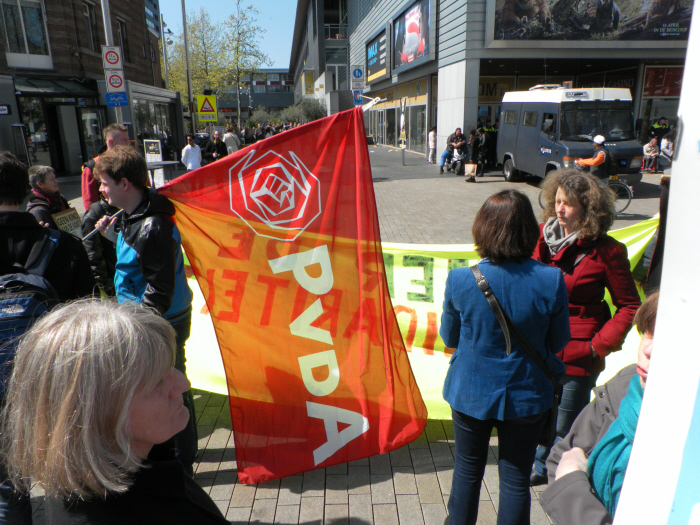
[313, 109]
[245, 57]
[208, 56]
[292, 114]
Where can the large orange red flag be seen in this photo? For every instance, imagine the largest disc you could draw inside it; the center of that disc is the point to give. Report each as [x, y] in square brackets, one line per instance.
[283, 238]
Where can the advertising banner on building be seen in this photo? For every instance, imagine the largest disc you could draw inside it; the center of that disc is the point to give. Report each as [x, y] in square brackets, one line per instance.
[376, 58]
[581, 21]
[283, 238]
[411, 42]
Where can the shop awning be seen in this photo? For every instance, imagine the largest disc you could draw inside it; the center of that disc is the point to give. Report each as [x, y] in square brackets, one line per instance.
[35, 86]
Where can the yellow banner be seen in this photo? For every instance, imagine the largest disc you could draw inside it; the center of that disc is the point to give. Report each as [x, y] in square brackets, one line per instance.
[416, 277]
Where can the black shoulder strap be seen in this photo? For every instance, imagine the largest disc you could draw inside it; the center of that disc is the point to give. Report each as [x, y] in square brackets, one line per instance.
[507, 325]
[42, 252]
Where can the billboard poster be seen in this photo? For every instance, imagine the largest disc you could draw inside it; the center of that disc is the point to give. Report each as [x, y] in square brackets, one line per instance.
[376, 54]
[411, 32]
[602, 20]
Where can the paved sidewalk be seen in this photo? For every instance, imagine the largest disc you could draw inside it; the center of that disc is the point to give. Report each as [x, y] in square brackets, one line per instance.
[408, 486]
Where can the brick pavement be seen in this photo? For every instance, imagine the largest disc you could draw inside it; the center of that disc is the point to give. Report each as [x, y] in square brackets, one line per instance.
[407, 486]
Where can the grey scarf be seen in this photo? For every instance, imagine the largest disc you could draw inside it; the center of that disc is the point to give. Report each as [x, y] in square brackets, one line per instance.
[554, 236]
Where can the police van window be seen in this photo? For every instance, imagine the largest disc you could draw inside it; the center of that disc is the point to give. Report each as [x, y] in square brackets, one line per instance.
[547, 123]
[510, 117]
[530, 118]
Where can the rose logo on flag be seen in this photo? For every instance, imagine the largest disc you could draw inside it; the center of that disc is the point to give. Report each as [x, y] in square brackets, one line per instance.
[281, 193]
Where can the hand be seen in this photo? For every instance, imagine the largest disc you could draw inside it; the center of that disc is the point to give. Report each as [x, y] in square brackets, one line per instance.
[106, 227]
[571, 461]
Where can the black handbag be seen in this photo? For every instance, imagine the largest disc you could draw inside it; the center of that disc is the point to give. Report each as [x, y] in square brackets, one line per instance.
[549, 433]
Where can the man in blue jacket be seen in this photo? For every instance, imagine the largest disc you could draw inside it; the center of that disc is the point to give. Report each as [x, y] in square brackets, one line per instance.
[150, 268]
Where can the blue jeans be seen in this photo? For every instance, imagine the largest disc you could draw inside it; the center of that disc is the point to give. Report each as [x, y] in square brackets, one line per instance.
[443, 158]
[183, 445]
[574, 398]
[517, 441]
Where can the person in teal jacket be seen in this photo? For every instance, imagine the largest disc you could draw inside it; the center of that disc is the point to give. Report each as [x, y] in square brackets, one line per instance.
[487, 387]
[150, 266]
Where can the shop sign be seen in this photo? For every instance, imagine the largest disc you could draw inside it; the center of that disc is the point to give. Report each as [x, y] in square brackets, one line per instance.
[375, 54]
[491, 89]
[5, 110]
[663, 81]
[616, 79]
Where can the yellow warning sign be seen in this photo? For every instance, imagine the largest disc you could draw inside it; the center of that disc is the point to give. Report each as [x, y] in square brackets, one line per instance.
[206, 108]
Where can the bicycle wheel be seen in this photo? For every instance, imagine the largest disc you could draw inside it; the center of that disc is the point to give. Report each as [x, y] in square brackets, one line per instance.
[539, 198]
[623, 196]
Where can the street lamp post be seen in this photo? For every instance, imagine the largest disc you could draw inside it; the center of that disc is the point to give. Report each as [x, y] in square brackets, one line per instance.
[187, 66]
[165, 42]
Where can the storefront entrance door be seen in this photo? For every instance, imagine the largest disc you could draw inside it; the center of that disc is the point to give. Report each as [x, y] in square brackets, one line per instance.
[91, 122]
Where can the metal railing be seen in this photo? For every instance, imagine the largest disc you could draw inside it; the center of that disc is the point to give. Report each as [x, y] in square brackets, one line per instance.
[335, 31]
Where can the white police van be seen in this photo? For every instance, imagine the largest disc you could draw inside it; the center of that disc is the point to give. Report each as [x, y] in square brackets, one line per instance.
[550, 126]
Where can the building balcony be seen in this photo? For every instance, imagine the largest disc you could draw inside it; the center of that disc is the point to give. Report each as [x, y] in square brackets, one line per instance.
[335, 31]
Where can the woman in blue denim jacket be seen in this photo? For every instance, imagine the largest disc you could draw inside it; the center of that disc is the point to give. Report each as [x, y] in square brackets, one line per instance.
[485, 387]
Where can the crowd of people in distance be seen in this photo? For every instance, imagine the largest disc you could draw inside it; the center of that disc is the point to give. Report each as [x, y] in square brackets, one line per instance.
[527, 323]
[478, 149]
[218, 146]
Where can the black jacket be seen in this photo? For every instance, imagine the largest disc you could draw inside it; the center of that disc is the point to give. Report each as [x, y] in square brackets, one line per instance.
[69, 271]
[101, 251]
[211, 148]
[474, 149]
[161, 493]
[461, 141]
[42, 210]
[151, 269]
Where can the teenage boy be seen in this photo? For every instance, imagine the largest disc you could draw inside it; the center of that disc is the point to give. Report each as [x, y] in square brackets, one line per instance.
[150, 268]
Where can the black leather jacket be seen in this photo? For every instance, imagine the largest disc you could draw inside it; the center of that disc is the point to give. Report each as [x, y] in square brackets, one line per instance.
[101, 251]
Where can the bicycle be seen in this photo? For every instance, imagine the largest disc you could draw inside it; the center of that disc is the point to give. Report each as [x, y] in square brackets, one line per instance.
[623, 194]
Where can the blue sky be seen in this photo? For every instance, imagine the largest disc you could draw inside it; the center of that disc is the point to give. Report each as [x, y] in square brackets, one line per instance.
[277, 16]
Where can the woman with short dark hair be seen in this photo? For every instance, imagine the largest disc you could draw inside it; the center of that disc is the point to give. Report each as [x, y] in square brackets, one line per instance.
[486, 386]
[579, 211]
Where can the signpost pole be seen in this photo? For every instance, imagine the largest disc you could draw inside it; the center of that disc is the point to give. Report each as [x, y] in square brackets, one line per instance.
[107, 20]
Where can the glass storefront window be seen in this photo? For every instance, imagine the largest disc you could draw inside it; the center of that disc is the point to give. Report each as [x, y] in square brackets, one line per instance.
[416, 130]
[153, 120]
[391, 127]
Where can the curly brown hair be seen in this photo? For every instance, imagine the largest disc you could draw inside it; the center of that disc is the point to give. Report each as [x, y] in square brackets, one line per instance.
[596, 199]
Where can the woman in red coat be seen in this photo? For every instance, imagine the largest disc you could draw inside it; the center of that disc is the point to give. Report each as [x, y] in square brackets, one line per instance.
[578, 214]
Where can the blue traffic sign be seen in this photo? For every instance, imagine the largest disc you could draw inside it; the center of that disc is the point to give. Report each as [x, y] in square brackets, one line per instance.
[357, 97]
[116, 99]
[358, 73]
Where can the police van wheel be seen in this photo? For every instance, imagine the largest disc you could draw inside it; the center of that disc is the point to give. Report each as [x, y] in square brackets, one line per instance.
[509, 172]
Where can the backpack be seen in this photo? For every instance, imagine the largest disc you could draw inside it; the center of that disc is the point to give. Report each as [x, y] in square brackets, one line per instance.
[25, 295]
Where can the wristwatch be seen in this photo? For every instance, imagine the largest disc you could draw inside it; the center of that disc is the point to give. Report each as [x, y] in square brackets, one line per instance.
[594, 354]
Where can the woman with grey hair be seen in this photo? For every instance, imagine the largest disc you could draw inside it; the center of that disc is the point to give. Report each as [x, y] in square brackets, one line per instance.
[45, 200]
[93, 389]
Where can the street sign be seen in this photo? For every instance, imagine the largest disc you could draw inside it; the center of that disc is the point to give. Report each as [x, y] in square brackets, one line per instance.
[115, 100]
[358, 77]
[206, 108]
[5, 110]
[112, 57]
[357, 97]
[115, 80]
